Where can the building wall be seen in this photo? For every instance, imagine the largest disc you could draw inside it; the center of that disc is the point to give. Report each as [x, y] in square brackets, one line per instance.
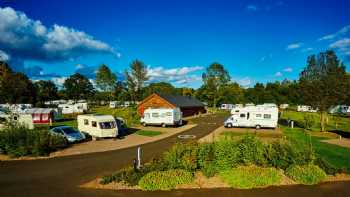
[154, 102]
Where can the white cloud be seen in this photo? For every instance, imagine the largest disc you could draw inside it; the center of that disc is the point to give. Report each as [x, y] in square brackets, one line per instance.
[278, 74]
[4, 56]
[287, 69]
[27, 39]
[252, 7]
[307, 49]
[180, 75]
[294, 46]
[341, 44]
[58, 81]
[341, 32]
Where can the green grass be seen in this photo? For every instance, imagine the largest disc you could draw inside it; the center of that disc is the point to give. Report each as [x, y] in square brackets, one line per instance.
[336, 155]
[307, 174]
[343, 122]
[247, 177]
[148, 133]
[129, 114]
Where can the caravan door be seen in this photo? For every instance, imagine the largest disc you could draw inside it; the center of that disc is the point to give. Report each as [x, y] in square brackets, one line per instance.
[243, 119]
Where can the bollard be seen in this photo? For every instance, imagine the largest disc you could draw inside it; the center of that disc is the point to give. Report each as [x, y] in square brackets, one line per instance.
[292, 124]
[138, 157]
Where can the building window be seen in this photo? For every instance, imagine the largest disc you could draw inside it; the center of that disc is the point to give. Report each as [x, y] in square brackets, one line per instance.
[267, 116]
[86, 122]
[93, 124]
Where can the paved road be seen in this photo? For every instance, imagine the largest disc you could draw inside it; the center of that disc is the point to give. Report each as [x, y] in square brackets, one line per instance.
[61, 176]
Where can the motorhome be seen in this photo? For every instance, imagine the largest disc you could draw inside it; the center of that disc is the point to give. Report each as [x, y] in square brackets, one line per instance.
[98, 126]
[227, 106]
[73, 108]
[113, 104]
[162, 116]
[253, 116]
[25, 120]
[306, 108]
[340, 109]
[284, 106]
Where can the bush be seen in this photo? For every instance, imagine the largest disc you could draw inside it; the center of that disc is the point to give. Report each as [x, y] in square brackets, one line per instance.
[17, 140]
[165, 180]
[182, 156]
[226, 154]
[246, 177]
[308, 121]
[251, 151]
[206, 157]
[282, 154]
[327, 167]
[306, 174]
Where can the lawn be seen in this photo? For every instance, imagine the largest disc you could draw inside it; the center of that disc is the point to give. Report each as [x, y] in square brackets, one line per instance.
[148, 133]
[343, 122]
[129, 114]
[335, 155]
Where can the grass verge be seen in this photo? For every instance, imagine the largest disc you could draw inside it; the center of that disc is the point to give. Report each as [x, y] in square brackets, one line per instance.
[148, 133]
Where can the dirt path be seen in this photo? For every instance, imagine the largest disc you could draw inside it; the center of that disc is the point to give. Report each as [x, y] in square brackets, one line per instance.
[340, 142]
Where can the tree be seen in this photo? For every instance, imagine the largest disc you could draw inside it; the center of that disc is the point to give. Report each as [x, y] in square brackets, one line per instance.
[159, 87]
[78, 87]
[15, 87]
[45, 90]
[231, 93]
[323, 83]
[136, 79]
[214, 78]
[106, 79]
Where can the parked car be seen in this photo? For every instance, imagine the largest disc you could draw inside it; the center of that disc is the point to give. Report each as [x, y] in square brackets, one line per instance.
[162, 116]
[72, 135]
[254, 116]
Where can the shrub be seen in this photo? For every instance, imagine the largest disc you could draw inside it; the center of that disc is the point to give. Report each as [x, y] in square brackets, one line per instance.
[130, 176]
[327, 167]
[226, 154]
[282, 154]
[251, 150]
[165, 180]
[17, 140]
[245, 177]
[182, 156]
[206, 157]
[308, 121]
[306, 174]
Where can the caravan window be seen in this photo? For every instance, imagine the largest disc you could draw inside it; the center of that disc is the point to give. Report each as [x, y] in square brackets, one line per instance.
[155, 115]
[107, 125]
[267, 116]
[258, 115]
[168, 114]
[242, 115]
[93, 124]
[86, 122]
[147, 115]
[248, 115]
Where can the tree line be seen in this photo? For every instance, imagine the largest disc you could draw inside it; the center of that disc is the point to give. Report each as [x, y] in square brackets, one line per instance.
[323, 83]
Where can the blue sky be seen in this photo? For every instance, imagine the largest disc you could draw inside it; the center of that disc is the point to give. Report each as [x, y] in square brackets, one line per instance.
[256, 41]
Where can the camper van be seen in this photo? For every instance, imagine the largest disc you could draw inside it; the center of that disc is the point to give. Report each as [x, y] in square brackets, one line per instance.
[98, 125]
[227, 106]
[306, 108]
[73, 108]
[253, 116]
[162, 116]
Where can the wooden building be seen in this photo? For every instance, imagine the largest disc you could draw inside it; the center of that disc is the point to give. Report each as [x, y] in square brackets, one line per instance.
[188, 105]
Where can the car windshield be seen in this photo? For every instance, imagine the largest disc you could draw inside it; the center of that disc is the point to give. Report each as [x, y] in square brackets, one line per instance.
[107, 125]
[69, 130]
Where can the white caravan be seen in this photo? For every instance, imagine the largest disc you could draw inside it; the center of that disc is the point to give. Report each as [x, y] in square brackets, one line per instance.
[227, 106]
[306, 108]
[73, 108]
[98, 125]
[342, 109]
[254, 116]
[113, 104]
[162, 116]
[25, 120]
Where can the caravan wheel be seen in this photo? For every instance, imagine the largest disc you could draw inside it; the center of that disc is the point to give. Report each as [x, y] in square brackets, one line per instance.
[163, 125]
[229, 125]
[257, 127]
[144, 124]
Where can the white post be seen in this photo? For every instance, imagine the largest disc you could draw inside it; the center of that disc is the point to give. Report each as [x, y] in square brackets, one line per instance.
[138, 157]
[292, 124]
